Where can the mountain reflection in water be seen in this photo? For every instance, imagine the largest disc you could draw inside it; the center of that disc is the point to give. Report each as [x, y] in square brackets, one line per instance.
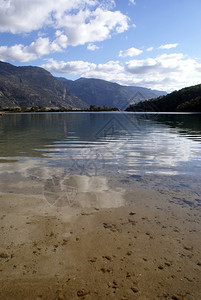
[131, 143]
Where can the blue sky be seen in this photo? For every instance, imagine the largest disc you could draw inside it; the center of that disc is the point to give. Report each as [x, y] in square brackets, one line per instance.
[149, 43]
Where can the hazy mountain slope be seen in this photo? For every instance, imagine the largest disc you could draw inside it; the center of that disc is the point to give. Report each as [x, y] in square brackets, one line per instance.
[33, 86]
[101, 92]
[187, 99]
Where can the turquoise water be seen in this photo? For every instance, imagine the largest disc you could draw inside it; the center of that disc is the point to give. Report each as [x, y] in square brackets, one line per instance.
[101, 143]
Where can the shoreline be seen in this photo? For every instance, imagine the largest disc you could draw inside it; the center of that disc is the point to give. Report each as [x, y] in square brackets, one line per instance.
[102, 111]
[145, 245]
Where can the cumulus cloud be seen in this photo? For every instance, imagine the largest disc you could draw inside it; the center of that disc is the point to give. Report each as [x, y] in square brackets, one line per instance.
[130, 52]
[92, 47]
[83, 68]
[16, 52]
[111, 66]
[165, 72]
[70, 67]
[83, 21]
[42, 46]
[111, 70]
[168, 46]
[159, 65]
[92, 26]
[18, 16]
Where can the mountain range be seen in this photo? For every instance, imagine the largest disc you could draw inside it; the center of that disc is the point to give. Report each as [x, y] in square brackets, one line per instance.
[100, 92]
[34, 86]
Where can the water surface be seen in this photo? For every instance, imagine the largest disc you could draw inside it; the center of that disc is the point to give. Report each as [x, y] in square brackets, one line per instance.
[109, 144]
[135, 143]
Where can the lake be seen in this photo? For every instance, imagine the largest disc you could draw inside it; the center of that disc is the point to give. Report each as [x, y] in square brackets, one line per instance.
[37, 146]
[106, 205]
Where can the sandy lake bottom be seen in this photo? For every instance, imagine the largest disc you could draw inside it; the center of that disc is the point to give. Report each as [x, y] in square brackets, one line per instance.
[117, 237]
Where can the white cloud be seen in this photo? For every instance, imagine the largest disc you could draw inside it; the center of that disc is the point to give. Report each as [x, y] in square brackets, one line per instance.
[92, 47]
[83, 21]
[112, 70]
[111, 66]
[168, 46]
[39, 48]
[150, 49]
[107, 4]
[159, 65]
[61, 42]
[165, 72]
[168, 71]
[70, 67]
[83, 68]
[133, 2]
[91, 26]
[16, 52]
[19, 16]
[130, 52]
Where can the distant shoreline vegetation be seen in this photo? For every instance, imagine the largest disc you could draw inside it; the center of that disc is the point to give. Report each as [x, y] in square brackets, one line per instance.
[35, 109]
[184, 100]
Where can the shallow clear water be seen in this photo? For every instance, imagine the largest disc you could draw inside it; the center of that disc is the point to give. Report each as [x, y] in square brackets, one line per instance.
[101, 143]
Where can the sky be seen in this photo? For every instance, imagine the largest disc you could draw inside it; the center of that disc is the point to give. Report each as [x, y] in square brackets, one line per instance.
[149, 43]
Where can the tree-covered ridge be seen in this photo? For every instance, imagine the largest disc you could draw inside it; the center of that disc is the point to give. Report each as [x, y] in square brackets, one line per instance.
[185, 100]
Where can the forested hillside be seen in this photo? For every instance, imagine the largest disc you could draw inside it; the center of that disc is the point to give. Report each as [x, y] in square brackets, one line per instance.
[185, 100]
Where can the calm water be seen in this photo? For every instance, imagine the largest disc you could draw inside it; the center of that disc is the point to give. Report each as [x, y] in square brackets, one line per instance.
[101, 143]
